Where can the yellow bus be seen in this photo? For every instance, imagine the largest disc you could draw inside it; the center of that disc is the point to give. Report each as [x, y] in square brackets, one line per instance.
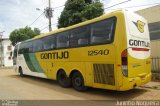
[109, 52]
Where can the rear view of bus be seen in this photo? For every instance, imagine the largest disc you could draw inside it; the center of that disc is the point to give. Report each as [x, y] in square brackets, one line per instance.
[136, 63]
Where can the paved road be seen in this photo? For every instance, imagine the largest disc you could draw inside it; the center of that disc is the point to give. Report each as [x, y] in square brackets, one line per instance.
[13, 87]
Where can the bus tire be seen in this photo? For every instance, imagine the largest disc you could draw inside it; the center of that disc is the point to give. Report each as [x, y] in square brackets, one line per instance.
[63, 80]
[21, 72]
[78, 82]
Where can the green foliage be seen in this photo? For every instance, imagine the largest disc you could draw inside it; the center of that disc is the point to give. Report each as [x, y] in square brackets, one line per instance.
[22, 34]
[37, 31]
[77, 11]
[92, 10]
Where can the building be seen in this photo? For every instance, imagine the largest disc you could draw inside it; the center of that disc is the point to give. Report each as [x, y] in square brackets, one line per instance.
[6, 49]
[152, 14]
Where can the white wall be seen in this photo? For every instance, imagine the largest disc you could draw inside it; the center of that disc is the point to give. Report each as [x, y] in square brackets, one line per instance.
[7, 62]
[152, 14]
[155, 51]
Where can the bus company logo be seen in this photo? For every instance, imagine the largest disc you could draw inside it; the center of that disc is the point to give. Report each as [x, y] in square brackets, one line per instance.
[140, 25]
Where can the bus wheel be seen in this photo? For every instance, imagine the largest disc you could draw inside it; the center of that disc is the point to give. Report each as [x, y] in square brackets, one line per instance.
[21, 72]
[78, 82]
[63, 80]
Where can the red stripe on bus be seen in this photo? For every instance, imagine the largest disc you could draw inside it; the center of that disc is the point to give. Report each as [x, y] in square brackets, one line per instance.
[140, 49]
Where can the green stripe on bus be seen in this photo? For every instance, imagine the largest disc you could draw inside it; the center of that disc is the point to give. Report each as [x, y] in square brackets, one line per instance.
[33, 63]
[28, 62]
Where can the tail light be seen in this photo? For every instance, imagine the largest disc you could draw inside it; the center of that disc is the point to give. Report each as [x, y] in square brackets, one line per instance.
[124, 59]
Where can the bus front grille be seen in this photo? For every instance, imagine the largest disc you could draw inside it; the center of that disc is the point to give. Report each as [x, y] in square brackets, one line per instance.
[104, 74]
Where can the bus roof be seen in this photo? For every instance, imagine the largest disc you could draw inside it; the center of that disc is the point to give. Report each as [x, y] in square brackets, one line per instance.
[78, 25]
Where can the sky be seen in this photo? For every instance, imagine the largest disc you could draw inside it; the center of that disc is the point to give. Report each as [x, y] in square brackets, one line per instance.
[16, 14]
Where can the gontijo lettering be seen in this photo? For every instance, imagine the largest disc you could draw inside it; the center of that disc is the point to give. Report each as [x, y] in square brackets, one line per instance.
[55, 55]
[139, 43]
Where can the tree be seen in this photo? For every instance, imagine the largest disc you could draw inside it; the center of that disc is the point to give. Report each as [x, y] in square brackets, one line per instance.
[22, 34]
[92, 10]
[77, 11]
[37, 31]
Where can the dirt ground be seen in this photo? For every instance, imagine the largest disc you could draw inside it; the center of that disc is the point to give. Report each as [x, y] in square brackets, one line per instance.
[14, 87]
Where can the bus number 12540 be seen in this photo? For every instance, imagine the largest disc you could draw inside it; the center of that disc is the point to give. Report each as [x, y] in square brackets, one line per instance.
[98, 52]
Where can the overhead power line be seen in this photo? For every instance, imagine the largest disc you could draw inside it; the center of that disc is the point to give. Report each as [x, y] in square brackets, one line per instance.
[36, 19]
[47, 26]
[136, 6]
[58, 7]
[110, 9]
[42, 26]
[117, 4]
[104, 8]
[43, 13]
[142, 5]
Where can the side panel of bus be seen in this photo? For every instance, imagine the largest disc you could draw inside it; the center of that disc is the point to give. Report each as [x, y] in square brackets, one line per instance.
[98, 64]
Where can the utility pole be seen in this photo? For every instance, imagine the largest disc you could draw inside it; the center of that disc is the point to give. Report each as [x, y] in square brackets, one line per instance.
[49, 18]
[49, 14]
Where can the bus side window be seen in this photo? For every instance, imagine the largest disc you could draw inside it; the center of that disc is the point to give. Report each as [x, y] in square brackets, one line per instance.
[63, 40]
[49, 42]
[21, 48]
[82, 41]
[79, 36]
[37, 45]
[28, 47]
[101, 32]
